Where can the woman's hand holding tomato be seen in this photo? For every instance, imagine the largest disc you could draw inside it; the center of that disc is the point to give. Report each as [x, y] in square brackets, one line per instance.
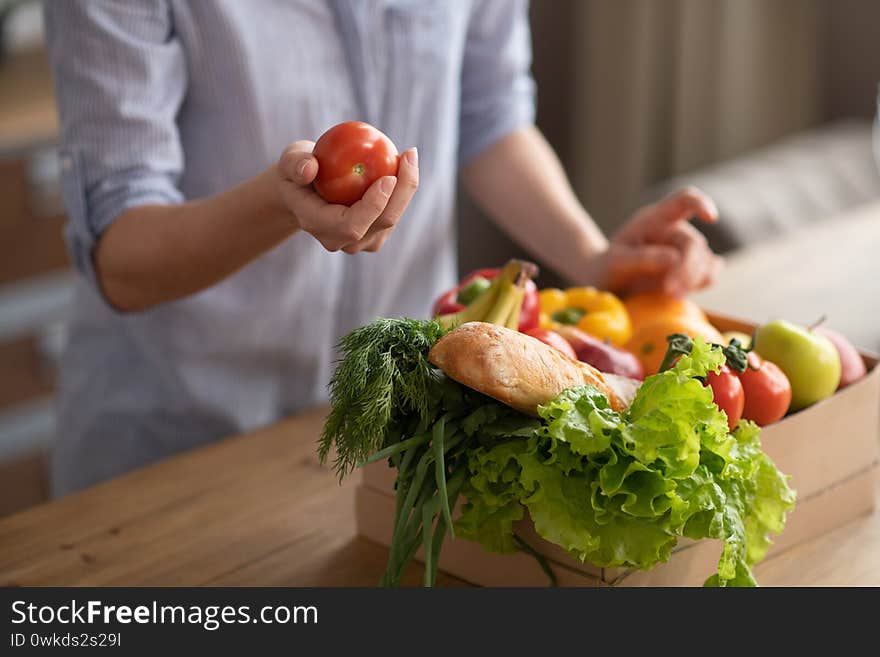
[361, 188]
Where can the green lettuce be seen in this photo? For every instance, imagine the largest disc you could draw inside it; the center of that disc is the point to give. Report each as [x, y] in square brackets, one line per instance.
[620, 489]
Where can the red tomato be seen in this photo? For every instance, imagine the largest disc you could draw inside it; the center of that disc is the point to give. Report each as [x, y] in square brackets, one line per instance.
[728, 394]
[351, 157]
[767, 389]
[554, 340]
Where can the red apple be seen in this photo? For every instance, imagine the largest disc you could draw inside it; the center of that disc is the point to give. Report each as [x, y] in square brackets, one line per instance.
[852, 367]
[601, 355]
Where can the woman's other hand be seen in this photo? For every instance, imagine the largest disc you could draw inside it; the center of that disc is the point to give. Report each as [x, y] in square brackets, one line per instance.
[657, 249]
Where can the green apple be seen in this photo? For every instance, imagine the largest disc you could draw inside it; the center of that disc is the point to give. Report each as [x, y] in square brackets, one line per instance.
[809, 360]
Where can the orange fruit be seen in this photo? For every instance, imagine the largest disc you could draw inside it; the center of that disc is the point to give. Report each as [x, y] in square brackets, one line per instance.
[650, 306]
[648, 341]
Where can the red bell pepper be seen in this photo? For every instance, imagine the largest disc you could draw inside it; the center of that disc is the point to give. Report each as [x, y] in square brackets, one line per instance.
[447, 303]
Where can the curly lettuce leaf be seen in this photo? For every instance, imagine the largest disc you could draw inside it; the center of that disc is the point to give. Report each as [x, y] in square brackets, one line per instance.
[769, 497]
[493, 495]
[703, 358]
[582, 418]
[563, 510]
[621, 489]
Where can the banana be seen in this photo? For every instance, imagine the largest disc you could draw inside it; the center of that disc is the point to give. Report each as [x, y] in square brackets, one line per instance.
[513, 318]
[501, 303]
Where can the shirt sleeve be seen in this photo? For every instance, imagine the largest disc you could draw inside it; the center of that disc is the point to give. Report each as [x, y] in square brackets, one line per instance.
[497, 88]
[120, 79]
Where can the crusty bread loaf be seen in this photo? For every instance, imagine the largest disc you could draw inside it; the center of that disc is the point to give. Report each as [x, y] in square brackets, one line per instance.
[514, 368]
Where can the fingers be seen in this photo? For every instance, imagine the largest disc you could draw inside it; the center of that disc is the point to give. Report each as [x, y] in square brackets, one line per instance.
[376, 242]
[682, 205]
[407, 184]
[305, 205]
[358, 219]
[695, 257]
[647, 259]
[687, 203]
[631, 266]
[297, 164]
[682, 263]
[697, 266]
[687, 263]
[337, 226]
[712, 272]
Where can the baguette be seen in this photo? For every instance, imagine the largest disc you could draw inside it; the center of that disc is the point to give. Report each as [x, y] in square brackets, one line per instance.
[514, 368]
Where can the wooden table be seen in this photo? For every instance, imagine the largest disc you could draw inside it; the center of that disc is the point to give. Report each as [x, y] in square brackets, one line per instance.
[259, 510]
[831, 268]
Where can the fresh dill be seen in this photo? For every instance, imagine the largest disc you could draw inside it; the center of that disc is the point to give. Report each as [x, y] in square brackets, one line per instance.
[389, 402]
[382, 376]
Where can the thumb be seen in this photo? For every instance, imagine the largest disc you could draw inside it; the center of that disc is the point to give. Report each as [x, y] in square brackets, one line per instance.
[297, 164]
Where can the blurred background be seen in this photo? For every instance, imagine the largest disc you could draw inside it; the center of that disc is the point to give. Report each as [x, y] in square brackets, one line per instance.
[766, 104]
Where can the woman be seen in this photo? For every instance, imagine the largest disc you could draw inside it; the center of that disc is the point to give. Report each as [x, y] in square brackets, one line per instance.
[215, 281]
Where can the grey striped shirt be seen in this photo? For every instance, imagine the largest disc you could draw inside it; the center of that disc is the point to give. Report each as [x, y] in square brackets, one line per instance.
[167, 100]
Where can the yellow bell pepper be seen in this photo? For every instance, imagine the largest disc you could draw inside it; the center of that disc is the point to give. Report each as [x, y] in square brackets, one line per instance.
[601, 314]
